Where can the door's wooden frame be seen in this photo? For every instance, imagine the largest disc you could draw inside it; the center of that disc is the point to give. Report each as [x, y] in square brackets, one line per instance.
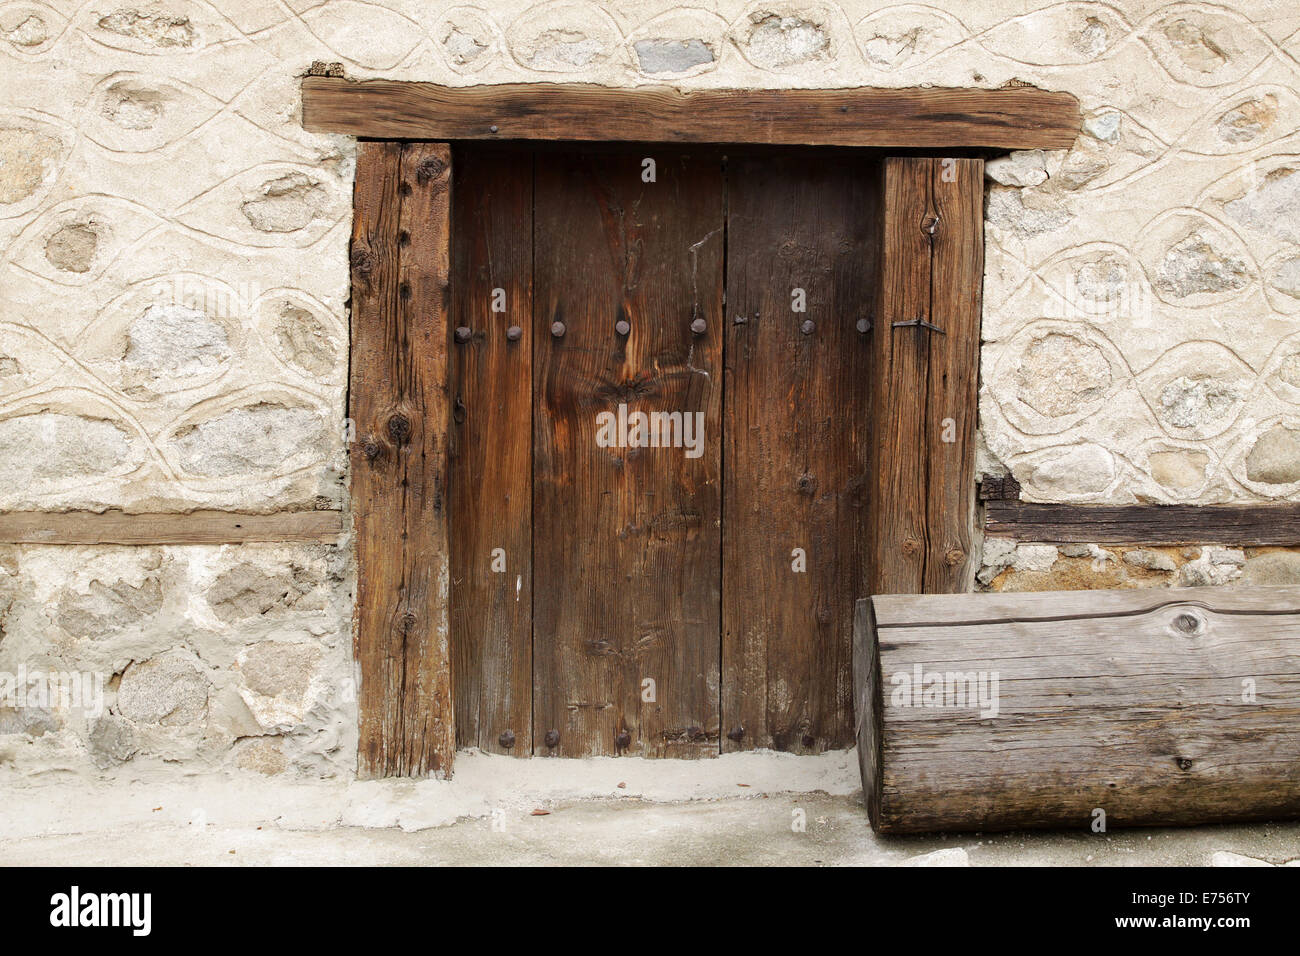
[925, 353]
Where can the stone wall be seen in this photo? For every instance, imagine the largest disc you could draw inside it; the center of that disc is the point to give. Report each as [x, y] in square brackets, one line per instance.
[174, 284]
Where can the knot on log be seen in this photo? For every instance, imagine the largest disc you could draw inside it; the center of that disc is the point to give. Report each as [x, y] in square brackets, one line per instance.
[370, 449]
[1189, 624]
[911, 546]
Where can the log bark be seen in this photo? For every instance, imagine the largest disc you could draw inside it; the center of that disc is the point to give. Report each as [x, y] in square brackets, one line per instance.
[1081, 709]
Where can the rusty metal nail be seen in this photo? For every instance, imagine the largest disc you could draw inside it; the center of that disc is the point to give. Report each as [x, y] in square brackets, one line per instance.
[557, 329]
[864, 326]
[514, 333]
[507, 739]
[736, 733]
[808, 326]
[552, 739]
[623, 740]
[622, 327]
[464, 333]
[698, 326]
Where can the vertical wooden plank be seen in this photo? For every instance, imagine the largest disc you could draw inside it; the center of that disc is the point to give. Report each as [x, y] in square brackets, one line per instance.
[900, 372]
[491, 465]
[398, 401]
[957, 267]
[797, 430]
[626, 540]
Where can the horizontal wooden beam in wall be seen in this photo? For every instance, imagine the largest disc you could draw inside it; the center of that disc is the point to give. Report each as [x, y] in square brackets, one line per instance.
[195, 527]
[1018, 117]
[1241, 525]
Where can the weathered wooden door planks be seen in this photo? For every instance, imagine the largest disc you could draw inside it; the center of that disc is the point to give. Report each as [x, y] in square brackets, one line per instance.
[799, 280]
[924, 374]
[398, 400]
[491, 468]
[626, 540]
[651, 601]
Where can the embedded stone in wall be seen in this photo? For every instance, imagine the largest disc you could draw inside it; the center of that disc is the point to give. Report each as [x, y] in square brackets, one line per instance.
[1272, 207]
[151, 29]
[29, 720]
[106, 608]
[1285, 277]
[660, 55]
[1249, 121]
[1193, 265]
[31, 31]
[1180, 471]
[131, 106]
[264, 755]
[1196, 402]
[286, 204]
[256, 438]
[169, 690]
[1274, 459]
[1071, 472]
[1025, 167]
[1195, 46]
[175, 340]
[1104, 126]
[277, 677]
[1149, 560]
[112, 740]
[1084, 163]
[1272, 569]
[304, 341]
[247, 590]
[1289, 370]
[27, 157]
[72, 247]
[1059, 374]
[563, 39]
[56, 444]
[775, 40]
[1006, 209]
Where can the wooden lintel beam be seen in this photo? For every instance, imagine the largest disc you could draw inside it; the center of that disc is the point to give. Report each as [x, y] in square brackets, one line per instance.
[1021, 117]
[1272, 524]
[194, 527]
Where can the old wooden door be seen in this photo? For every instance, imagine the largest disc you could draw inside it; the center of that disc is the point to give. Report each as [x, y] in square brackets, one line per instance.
[657, 488]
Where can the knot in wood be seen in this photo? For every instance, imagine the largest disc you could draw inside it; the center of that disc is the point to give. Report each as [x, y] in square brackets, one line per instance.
[507, 739]
[399, 429]
[911, 546]
[806, 484]
[407, 622]
[429, 168]
[930, 224]
[623, 740]
[809, 741]
[1183, 763]
[370, 450]
[736, 733]
[362, 261]
[954, 556]
[552, 739]
[1188, 623]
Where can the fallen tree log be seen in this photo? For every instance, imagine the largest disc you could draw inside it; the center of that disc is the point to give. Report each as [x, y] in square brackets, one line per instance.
[1078, 709]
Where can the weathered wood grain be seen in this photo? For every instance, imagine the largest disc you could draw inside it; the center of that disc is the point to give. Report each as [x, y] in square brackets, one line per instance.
[1275, 523]
[490, 518]
[399, 400]
[796, 430]
[194, 527]
[924, 380]
[934, 118]
[626, 541]
[1156, 707]
[956, 298]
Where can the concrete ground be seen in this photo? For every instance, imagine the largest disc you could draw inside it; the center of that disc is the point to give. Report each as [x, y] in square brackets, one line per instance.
[732, 811]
